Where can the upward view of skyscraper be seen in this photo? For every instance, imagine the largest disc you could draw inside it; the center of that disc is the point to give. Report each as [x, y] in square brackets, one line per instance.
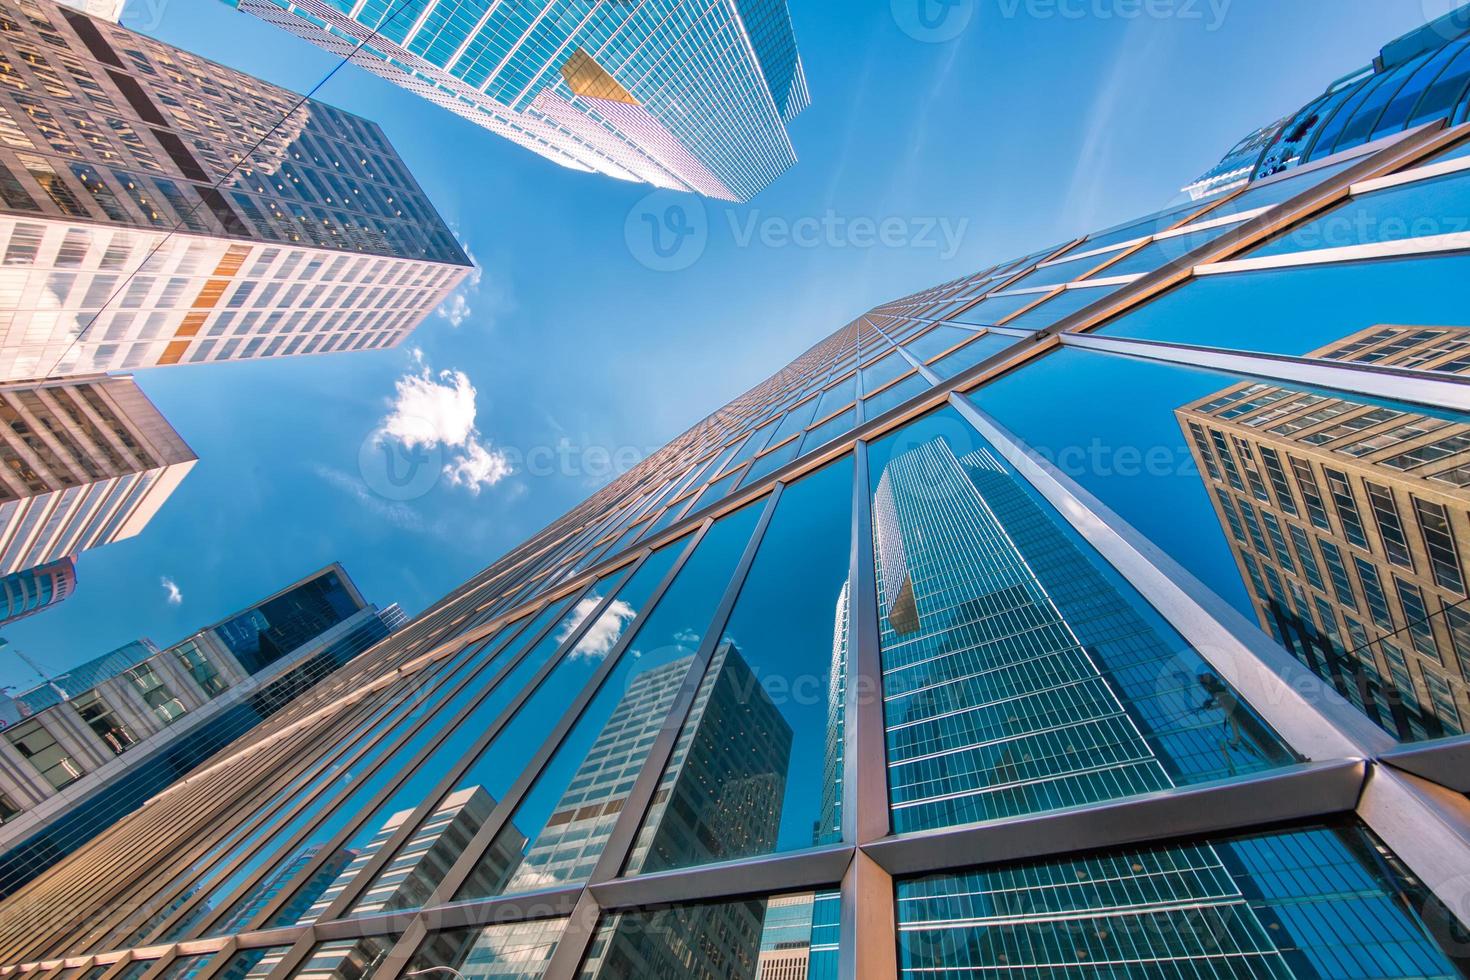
[675, 93]
[204, 218]
[27, 592]
[1093, 615]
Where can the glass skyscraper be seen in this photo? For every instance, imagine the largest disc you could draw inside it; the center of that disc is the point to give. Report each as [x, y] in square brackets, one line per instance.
[240, 224]
[1097, 614]
[676, 93]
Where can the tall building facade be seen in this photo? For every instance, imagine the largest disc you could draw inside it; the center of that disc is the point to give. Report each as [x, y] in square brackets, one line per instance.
[27, 592]
[682, 95]
[158, 209]
[87, 461]
[1075, 740]
[85, 747]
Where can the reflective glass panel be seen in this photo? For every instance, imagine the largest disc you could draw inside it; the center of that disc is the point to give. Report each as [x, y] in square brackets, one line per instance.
[758, 764]
[829, 430]
[992, 310]
[789, 937]
[879, 373]
[557, 833]
[515, 951]
[1020, 672]
[1301, 310]
[1060, 307]
[421, 860]
[770, 462]
[937, 341]
[1143, 227]
[1278, 191]
[1425, 208]
[894, 395]
[1062, 272]
[1339, 524]
[345, 959]
[254, 964]
[971, 354]
[1322, 901]
[1156, 255]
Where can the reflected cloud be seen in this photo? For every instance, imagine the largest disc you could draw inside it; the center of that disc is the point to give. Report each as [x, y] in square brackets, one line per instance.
[604, 634]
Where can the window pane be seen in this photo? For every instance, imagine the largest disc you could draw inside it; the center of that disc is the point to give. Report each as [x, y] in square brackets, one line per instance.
[1439, 206]
[971, 354]
[1020, 673]
[1060, 307]
[1325, 901]
[992, 310]
[557, 833]
[345, 959]
[517, 951]
[789, 937]
[1222, 472]
[1297, 311]
[420, 862]
[937, 341]
[757, 767]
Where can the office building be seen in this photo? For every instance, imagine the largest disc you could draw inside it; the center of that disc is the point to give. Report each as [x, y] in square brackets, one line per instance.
[27, 592]
[142, 226]
[1344, 521]
[96, 742]
[101, 9]
[688, 96]
[1076, 739]
[87, 461]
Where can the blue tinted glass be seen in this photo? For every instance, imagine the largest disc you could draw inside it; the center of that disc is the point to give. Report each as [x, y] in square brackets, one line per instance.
[1272, 495]
[992, 310]
[1158, 254]
[770, 462]
[515, 951]
[1438, 206]
[1020, 672]
[829, 430]
[1062, 272]
[1314, 902]
[423, 850]
[1321, 304]
[1143, 228]
[1279, 190]
[937, 341]
[1060, 307]
[757, 767]
[791, 937]
[879, 373]
[893, 396]
[971, 354]
[557, 833]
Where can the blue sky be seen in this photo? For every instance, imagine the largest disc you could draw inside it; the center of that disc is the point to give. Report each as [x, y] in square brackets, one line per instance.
[1035, 121]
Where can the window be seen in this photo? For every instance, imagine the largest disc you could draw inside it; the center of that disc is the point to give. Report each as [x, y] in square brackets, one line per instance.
[199, 666]
[100, 717]
[1390, 527]
[155, 694]
[40, 749]
[1347, 508]
[1439, 542]
[8, 809]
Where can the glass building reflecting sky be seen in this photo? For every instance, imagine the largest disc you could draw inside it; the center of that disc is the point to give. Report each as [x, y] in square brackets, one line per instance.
[682, 95]
[1095, 614]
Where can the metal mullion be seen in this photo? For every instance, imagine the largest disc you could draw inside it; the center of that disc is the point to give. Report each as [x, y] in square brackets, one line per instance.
[390, 739]
[1375, 381]
[105, 887]
[618, 847]
[1446, 762]
[247, 822]
[201, 806]
[293, 957]
[1271, 680]
[484, 837]
[386, 852]
[868, 948]
[867, 917]
[161, 964]
[1305, 792]
[770, 874]
[1426, 826]
[217, 962]
[118, 967]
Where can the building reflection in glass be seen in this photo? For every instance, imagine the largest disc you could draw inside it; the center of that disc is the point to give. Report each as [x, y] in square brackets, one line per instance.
[1021, 675]
[1348, 520]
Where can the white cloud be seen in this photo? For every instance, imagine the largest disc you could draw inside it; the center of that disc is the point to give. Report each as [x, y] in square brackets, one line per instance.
[456, 309]
[434, 411]
[491, 297]
[602, 635]
[171, 592]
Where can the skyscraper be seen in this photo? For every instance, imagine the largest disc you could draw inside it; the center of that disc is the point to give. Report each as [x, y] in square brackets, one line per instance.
[678, 94]
[86, 462]
[299, 230]
[27, 592]
[97, 741]
[1071, 745]
[1343, 515]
